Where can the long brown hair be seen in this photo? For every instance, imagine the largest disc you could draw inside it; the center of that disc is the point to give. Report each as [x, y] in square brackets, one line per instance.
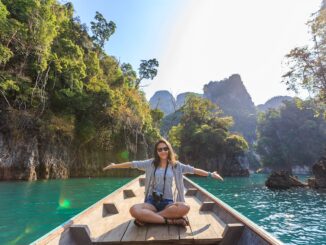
[171, 154]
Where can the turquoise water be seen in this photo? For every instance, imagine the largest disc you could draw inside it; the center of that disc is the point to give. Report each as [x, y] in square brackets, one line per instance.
[31, 209]
[295, 216]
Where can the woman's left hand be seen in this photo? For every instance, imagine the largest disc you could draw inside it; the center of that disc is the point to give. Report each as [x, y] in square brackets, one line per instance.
[215, 175]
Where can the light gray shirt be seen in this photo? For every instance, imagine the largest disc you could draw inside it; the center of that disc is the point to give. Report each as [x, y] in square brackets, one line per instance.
[159, 176]
[158, 182]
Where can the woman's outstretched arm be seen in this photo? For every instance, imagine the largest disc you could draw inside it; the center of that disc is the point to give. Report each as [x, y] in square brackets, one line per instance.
[119, 165]
[202, 172]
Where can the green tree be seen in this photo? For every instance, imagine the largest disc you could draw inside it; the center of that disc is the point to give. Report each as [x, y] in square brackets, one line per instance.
[292, 135]
[202, 133]
[129, 74]
[307, 65]
[52, 70]
[5, 52]
[157, 116]
[101, 29]
[147, 70]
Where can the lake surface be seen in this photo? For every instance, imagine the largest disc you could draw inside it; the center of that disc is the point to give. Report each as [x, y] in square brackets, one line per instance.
[31, 209]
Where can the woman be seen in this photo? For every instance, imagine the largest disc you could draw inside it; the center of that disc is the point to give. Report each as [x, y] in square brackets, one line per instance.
[159, 206]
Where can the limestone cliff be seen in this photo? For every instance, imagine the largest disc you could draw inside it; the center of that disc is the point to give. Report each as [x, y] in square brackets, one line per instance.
[164, 101]
[29, 153]
[232, 97]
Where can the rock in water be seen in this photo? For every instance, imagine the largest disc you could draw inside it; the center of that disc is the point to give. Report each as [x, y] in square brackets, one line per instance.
[283, 180]
[312, 182]
[319, 170]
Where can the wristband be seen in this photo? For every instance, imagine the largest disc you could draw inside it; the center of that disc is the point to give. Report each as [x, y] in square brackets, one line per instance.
[209, 174]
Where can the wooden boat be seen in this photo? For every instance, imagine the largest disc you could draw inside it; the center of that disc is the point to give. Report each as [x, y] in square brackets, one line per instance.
[109, 222]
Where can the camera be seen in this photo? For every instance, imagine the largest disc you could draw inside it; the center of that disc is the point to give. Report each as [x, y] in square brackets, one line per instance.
[157, 196]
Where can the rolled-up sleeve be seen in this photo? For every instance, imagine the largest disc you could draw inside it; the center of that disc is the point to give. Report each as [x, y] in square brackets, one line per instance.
[187, 169]
[142, 165]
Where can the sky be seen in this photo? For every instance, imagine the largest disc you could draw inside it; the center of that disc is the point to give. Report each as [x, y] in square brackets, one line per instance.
[198, 41]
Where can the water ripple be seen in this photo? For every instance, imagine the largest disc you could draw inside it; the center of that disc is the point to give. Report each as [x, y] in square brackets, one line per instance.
[295, 216]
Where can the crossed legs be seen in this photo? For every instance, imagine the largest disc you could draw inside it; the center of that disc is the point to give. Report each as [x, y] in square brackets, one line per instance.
[146, 212]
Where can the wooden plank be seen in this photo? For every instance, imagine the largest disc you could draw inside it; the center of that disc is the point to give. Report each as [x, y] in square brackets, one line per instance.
[185, 234]
[119, 223]
[151, 232]
[217, 223]
[162, 233]
[100, 222]
[203, 225]
[207, 206]
[232, 216]
[232, 233]
[191, 192]
[134, 233]
[109, 208]
[128, 193]
[173, 232]
[80, 234]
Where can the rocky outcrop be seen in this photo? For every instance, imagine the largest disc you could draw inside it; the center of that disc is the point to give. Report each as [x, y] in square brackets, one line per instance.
[283, 180]
[28, 153]
[234, 168]
[36, 158]
[229, 94]
[274, 103]
[227, 166]
[319, 170]
[164, 101]
[232, 97]
[29, 158]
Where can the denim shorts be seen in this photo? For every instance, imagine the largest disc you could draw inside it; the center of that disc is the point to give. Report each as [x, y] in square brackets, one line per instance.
[158, 205]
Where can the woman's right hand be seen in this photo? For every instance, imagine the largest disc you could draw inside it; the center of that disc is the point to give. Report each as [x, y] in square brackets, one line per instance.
[111, 165]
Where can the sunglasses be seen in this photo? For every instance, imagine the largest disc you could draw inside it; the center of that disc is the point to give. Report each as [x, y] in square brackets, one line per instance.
[163, 149]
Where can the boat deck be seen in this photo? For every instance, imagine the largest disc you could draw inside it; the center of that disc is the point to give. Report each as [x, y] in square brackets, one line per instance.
[109, 222]
[205, 227]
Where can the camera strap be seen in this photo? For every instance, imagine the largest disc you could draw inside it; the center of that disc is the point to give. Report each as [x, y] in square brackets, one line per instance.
[166, 168]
